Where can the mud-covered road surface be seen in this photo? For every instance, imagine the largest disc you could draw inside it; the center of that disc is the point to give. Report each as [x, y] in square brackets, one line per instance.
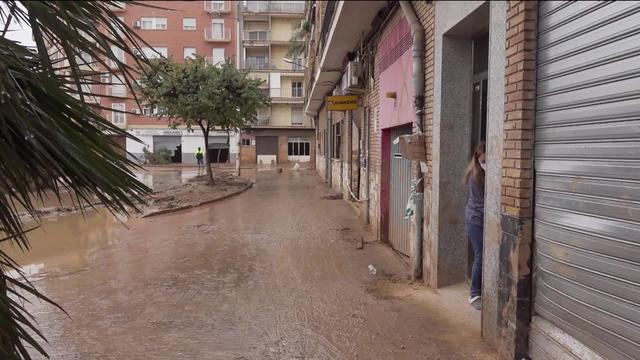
[273, 273]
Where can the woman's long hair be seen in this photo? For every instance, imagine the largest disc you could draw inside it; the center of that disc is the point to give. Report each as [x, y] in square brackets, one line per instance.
[473, 169]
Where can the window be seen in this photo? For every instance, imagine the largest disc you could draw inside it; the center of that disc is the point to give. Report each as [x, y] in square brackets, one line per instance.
[154, 53]
[153, 110]
[117, 87]
[189, 24]
[189, 52]
[296, 64]
[296, 88]
[119, 54]
[217, 28]
[246, 142]
[118, 117]
[296, 116]
[218, 56]
[336, 141]
[153, 23]
[298, 147]
[216, 5]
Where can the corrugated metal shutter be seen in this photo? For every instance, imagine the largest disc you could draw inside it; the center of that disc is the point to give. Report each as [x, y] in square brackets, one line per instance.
[266, 145]
[587, 151]
[399, 190]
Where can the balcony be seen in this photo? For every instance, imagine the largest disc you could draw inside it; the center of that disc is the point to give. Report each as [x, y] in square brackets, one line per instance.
[217, 7]
[342, 26]
[217, 34]
[262, 119]
[256, 63]
[294, 96]
[281, 7]
[256, 36]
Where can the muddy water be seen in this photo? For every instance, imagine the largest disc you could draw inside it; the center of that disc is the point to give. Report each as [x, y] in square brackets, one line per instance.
[273, 273]
[66, 243]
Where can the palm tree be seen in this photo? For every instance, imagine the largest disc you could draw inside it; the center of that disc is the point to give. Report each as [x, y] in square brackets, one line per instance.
[51, 140]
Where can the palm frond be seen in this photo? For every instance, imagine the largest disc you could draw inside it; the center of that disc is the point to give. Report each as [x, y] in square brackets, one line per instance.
[50, 141]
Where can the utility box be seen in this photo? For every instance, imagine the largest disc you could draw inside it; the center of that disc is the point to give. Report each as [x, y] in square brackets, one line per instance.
[412, 147]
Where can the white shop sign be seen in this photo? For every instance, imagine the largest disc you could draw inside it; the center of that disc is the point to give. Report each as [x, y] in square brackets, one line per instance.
[174, 132]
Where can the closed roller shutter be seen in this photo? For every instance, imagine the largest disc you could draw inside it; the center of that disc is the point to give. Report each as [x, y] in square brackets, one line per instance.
[587, 183]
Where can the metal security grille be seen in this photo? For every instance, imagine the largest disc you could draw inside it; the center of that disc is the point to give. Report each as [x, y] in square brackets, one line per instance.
[266, 145]
[587, 151]
[399, 189]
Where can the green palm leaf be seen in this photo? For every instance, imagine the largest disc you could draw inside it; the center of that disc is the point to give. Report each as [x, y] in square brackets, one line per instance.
[53, 142]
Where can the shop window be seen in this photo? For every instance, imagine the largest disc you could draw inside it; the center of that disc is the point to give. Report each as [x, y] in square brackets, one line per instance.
[298, 147]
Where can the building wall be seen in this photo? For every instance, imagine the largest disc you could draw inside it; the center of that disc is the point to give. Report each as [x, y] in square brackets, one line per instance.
[281, 29]
[514, 277]
[278, 53]
[280, 115]
[174, 38]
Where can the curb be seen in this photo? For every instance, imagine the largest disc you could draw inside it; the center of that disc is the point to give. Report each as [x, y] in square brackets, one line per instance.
[167, 211]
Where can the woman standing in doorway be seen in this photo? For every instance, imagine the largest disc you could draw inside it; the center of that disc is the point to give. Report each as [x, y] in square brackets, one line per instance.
[474, 219]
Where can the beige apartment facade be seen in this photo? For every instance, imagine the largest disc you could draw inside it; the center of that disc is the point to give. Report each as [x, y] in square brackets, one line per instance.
[281, 134]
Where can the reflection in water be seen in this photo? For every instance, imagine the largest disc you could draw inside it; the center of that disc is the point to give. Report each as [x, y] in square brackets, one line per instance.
[160, 180]
[66, 243]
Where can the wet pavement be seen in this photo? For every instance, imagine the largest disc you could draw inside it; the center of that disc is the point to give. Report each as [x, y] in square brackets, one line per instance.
[273, 273]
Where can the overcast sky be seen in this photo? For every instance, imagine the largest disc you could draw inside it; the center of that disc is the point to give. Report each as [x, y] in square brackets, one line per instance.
[17, 32]
[22, 35]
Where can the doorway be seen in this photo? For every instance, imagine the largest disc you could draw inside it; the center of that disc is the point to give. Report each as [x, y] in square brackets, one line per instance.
[479, 87]
[399, 189]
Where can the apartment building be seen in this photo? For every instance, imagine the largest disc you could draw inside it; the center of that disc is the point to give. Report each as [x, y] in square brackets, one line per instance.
[176, 30]
[551, 87]
[282, 133]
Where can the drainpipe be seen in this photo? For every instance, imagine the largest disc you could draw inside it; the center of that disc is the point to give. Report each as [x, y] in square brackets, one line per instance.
[417, 32]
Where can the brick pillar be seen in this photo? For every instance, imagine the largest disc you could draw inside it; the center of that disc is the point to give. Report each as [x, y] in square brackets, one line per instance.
[514, 282]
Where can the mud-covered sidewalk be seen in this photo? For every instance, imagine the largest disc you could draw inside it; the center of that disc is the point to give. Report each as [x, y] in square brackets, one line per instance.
[273, 273]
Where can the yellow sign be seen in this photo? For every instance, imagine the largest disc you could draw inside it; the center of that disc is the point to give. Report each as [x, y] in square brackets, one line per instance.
[340, 103]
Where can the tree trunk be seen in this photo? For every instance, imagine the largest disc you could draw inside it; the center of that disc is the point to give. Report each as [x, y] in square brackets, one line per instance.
[205, 132]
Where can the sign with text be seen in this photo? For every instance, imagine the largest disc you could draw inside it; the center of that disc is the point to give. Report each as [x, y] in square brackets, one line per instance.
[341, 103]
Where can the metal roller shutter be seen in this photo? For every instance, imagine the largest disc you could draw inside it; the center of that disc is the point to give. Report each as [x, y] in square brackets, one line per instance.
[399, 191]
[587, 182]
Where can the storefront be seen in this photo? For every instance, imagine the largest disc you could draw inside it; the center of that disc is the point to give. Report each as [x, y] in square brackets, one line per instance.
[183, 144]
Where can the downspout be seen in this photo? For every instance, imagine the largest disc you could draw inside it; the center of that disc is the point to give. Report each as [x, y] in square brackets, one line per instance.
[417, 32]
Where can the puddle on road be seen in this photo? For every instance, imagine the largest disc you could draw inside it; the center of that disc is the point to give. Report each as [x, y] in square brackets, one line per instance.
[65, 243]
[161, 180]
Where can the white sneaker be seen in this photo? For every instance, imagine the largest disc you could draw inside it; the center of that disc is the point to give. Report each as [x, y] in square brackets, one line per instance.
[476, 302]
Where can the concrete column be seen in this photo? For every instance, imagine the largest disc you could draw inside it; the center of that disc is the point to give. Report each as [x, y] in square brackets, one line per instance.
[493, 177]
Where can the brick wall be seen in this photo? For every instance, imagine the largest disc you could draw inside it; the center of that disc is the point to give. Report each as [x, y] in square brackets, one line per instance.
[517, 163]
[514, 278]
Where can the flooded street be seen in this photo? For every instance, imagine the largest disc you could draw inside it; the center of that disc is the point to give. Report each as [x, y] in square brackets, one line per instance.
[232, 280]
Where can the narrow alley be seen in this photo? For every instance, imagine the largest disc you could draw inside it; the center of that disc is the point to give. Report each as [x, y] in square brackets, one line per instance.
[236, 280]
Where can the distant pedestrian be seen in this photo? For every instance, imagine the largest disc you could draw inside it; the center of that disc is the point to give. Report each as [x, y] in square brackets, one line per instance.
[474, 219]
[200, 159]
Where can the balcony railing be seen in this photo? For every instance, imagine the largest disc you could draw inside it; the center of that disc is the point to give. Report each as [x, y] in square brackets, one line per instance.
[256, 63]
[217, 34]
[217, 7]
[257, 35]
[262, 119]
[290, 7]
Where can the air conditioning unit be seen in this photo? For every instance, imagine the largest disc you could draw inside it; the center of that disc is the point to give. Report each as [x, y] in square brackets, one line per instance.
[134, 111]
[136, 24]
[137, 52]
[351, 79]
